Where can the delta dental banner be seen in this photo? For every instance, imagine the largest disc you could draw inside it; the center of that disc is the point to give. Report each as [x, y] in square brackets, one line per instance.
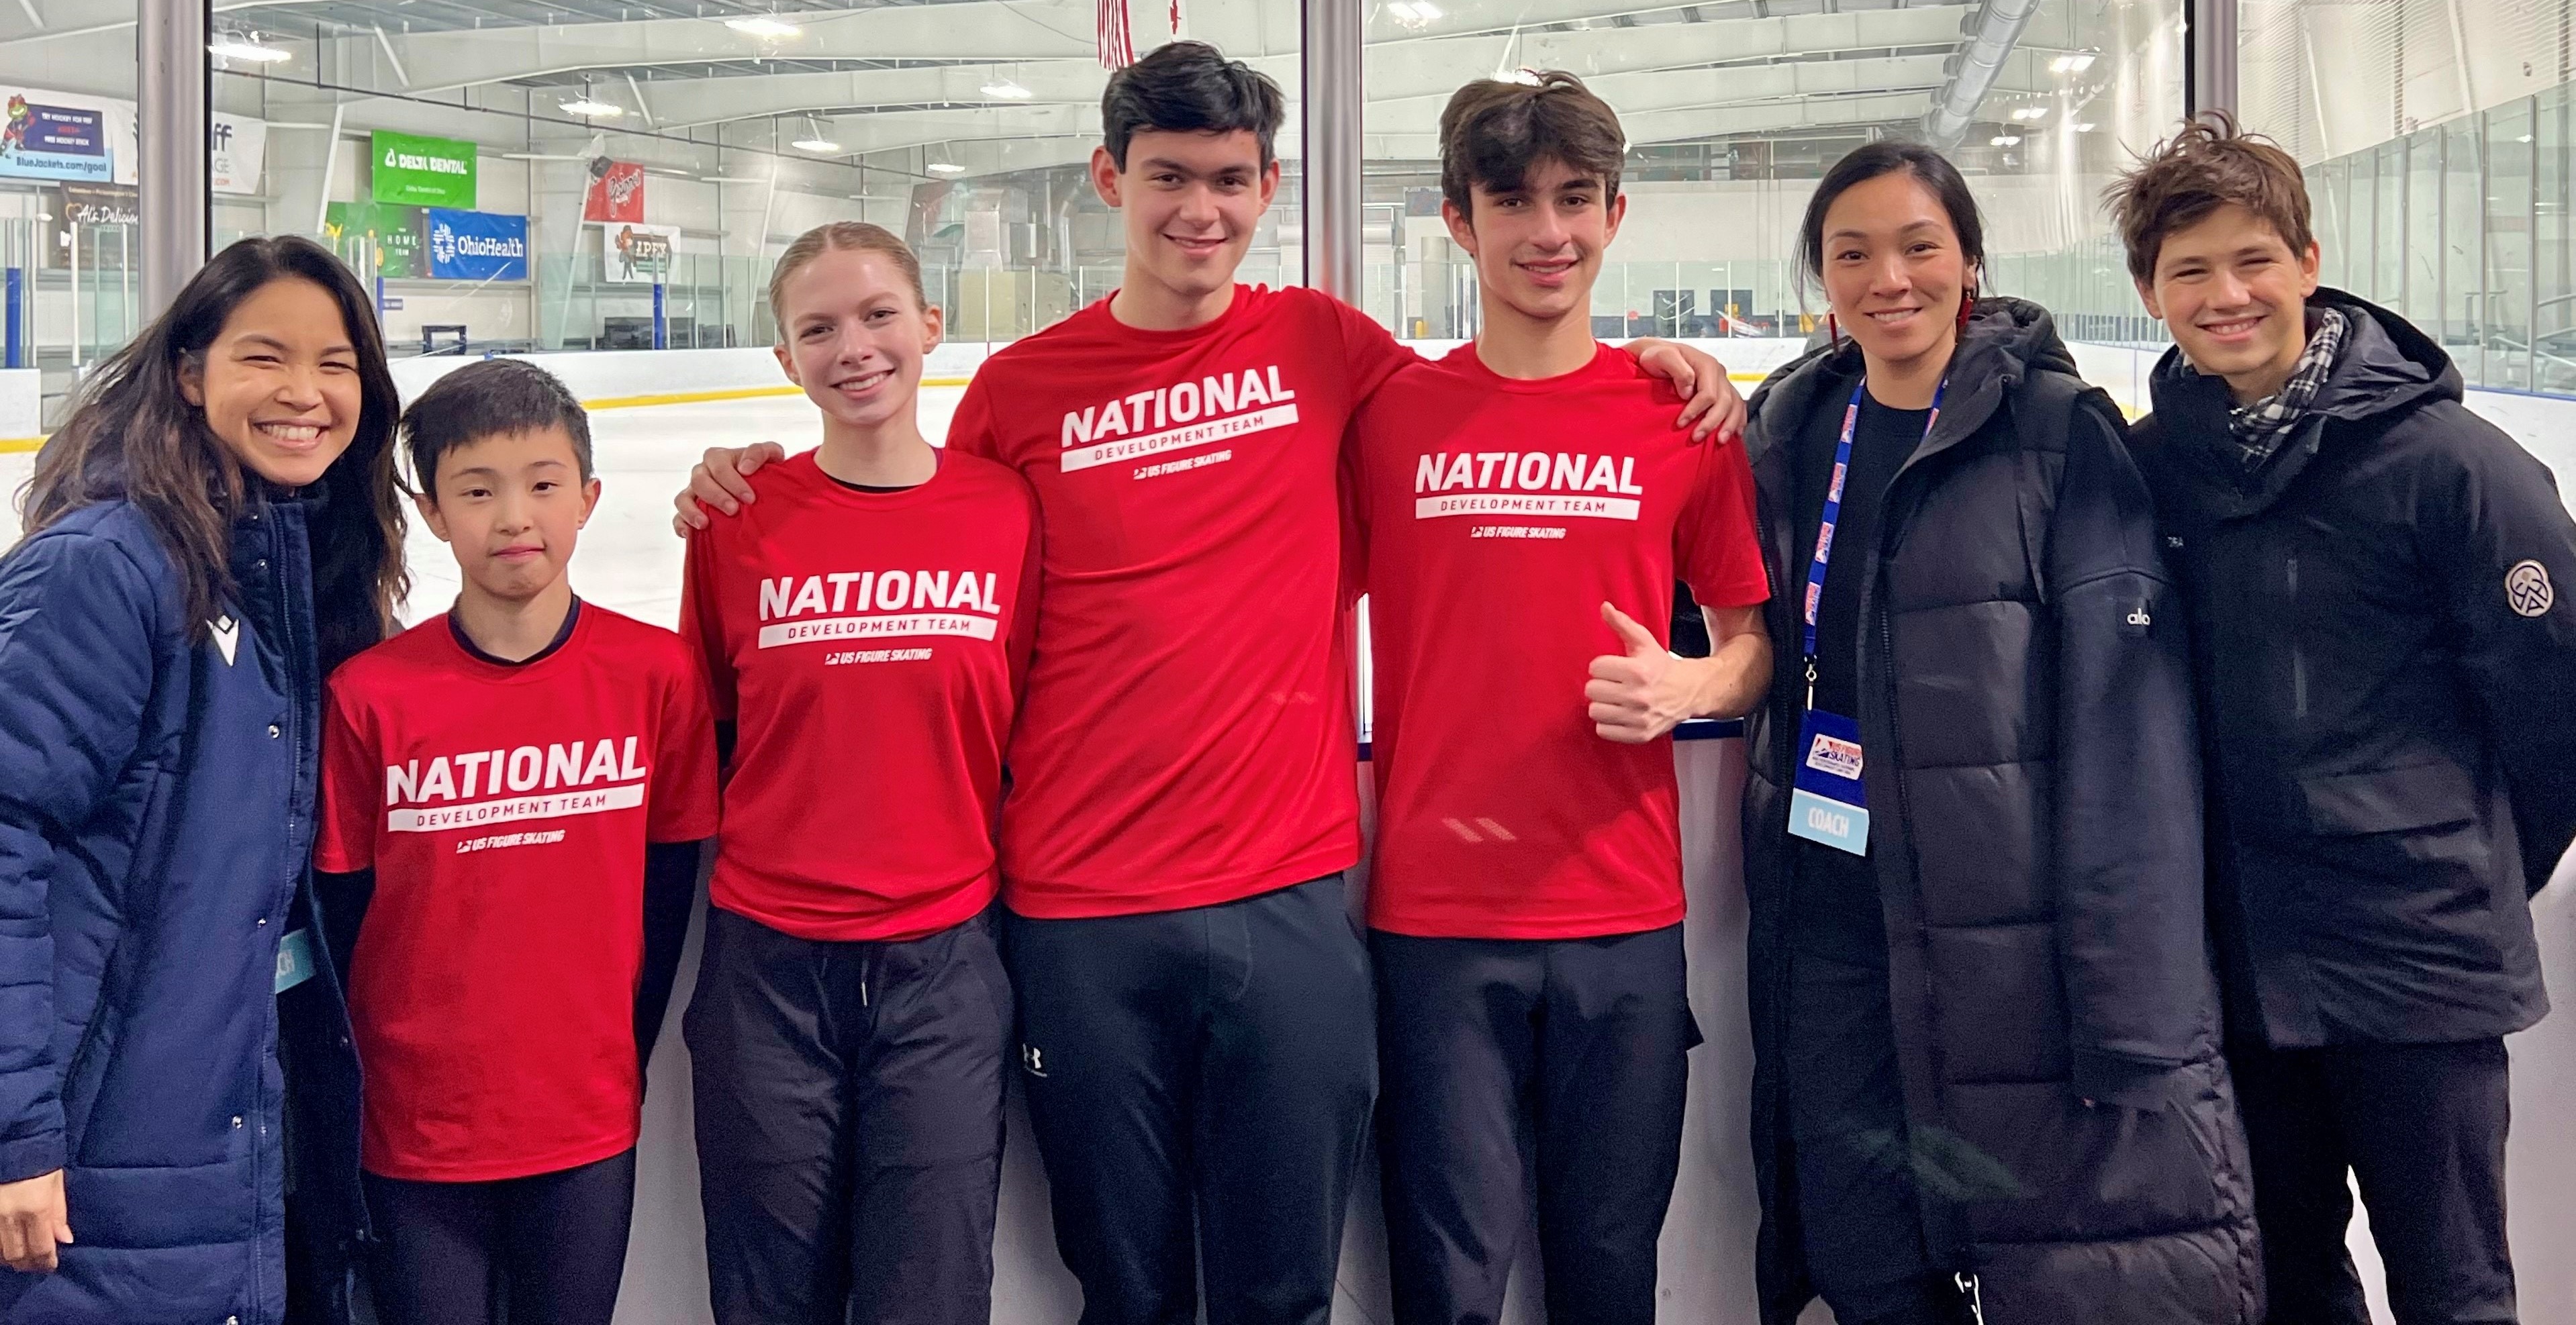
[616, 191]
[477, 246]
[236, 146]
[636, 254]
[422, 172]
[63, 135]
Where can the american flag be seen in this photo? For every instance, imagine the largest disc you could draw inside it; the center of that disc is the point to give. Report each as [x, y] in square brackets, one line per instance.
[1117, 42]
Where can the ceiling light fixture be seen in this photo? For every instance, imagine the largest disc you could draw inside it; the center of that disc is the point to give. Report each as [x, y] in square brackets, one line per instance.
[761, 25]
[2004, 140]
[946, 168]
[1524, 77]
[1006, 90]
[2072, 64]
[2081, 127]
[814, 141]
[1413, 14]
[245, 46]
[2031, 113]
[591, 108]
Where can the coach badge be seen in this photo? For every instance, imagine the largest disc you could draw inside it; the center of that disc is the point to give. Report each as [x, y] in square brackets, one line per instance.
[2527, 589]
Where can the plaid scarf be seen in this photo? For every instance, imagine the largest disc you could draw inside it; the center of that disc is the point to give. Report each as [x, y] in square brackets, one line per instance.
[2260, 428]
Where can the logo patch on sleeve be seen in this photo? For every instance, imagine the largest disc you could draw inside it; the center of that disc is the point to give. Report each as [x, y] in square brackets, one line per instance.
[2527, 589]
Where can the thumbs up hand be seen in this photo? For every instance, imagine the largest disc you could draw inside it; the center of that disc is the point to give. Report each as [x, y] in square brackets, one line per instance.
[1642, 691]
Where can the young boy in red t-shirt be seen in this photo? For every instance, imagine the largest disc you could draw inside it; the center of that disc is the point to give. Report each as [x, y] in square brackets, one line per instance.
[1520, 507]
[1195, 1012]
[514, 796]
[864, 629]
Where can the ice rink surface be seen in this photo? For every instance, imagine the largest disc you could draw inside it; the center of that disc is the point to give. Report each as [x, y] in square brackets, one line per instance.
[629, 561]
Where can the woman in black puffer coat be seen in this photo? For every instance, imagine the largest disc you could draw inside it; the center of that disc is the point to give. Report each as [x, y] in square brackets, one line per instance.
[1986, 1024]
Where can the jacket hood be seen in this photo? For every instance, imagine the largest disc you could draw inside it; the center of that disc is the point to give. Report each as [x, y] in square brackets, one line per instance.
[2387, 367]
[2006, 341]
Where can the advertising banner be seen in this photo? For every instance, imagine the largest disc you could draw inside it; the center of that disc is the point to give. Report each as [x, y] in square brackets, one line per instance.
[477, 246]
[101, 204]
[62, 135]
[235, 147]
[637, 254]
[423, 172]
[616, 191]
[396, 232]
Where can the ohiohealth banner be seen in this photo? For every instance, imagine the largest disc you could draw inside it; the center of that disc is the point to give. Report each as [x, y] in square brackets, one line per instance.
[477, 246]
[62, 135]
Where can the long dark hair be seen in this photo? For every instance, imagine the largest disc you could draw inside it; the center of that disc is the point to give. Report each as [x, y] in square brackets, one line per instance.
[134, 436]
[1888, 156]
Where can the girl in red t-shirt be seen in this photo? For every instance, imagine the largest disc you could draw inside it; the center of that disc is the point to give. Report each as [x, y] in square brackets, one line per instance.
[863, 627]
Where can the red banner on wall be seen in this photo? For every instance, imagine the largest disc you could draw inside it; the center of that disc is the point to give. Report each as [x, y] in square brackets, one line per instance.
[616, 191]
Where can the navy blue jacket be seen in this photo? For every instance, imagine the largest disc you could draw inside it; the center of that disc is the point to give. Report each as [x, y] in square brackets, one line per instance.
[2386, 653]
[156, 823]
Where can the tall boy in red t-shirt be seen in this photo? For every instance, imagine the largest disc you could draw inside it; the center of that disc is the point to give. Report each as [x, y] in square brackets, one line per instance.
[1520, 506]
[514, 794]
[1194, 1004]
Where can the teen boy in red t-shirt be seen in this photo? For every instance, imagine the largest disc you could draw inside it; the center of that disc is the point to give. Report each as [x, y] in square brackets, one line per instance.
[514, 794]
[1195, 1007]
[1519, 505]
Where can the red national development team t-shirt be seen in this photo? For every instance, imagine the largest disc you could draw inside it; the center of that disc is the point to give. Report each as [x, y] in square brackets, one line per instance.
[1186, 735]
[867, 645]
[505, 812]
[1497, 516]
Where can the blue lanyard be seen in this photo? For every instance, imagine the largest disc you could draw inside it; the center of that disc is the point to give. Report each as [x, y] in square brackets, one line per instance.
[1833, 514]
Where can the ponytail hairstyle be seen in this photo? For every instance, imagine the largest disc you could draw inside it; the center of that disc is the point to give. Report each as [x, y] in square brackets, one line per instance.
[863, 236]
[133, 436]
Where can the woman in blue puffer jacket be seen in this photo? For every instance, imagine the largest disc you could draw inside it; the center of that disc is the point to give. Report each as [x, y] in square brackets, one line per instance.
[214, 530]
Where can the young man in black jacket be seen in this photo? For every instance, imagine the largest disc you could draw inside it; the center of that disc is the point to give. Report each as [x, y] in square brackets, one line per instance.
[2383, 661]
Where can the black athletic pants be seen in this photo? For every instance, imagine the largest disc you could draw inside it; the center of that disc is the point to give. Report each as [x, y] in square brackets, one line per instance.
[551, 1246]
[2422, 1126]
[1214, 1064]
[1521, 1074]
[1862, 1232]
[849, 1122]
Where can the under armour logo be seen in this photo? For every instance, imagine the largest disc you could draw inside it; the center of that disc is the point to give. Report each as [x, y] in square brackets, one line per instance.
[1032, 1060]
[227, 635]
[2527, 589]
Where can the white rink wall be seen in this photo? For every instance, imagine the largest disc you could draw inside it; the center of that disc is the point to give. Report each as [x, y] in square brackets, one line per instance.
[2546, 425]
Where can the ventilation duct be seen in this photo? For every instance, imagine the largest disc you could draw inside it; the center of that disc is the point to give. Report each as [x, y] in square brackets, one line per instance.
[1991, 33]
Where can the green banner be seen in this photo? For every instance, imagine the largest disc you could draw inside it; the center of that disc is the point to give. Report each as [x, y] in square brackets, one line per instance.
[396, 231]
[424, 172]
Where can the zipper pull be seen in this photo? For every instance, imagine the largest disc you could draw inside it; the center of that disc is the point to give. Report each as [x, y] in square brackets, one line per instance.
[1968, 1289]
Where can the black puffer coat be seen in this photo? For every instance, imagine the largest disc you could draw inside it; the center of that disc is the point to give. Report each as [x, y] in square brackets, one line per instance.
[2026, 708]
[2388, 659]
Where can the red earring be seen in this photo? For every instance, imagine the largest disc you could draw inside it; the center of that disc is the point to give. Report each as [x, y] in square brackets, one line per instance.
[1833, 332]
[1967, 306]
